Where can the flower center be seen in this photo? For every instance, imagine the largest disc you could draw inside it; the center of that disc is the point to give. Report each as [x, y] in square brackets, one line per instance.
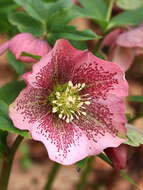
[67, 102]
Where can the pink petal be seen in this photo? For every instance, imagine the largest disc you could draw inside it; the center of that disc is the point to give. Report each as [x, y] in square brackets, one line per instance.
[65, 143]
[26, 42]
[58, 65]
[42, 75]
[131, 38]
[91, 134]
[28, 107]
[4, 47]
[101, 77]
[110, 113]
[124, 57]
[68, 144]
[110, 39]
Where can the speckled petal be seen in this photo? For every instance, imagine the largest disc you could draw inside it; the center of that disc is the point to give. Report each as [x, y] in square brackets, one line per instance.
[110, 114]
[101, 77]
[104, 122]
[67, 143]
[29, 107]
[55, 67]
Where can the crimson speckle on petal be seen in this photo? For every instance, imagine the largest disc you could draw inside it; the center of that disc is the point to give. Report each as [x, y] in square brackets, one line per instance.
[73, 103]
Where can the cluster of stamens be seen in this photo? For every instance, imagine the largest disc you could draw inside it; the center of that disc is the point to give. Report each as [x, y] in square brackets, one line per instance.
[68, 103]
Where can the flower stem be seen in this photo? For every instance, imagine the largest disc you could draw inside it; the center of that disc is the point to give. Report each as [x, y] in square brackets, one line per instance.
[7, 164]
[109, 12]
[52, 176]
[85, 174]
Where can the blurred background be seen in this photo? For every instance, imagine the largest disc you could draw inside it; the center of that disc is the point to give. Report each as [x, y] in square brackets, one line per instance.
[32, 167]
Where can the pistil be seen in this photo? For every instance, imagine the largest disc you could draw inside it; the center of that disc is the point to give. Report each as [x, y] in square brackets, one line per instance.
[68, 103]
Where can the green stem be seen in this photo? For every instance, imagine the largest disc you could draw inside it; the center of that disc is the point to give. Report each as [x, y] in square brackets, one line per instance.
[7, 164]
[52, 176]
[85, 174]
[44, 35]
[109, 12]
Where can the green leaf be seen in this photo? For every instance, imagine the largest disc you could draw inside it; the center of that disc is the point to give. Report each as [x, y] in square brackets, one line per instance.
[37, 9]
[37, 57]
[70, 33]
[136, 99]
[7, 6]
[79, 44]
[6, 125]
[18, 66]
[134, 135]
[98, 54]
[131, 18]
[129, 4]
[57, 7]
[41, 10]
[5, 26]
[26, 23]
[93, 9]
[60, 18]
[10, 91]
[82, 163]
[3, 108]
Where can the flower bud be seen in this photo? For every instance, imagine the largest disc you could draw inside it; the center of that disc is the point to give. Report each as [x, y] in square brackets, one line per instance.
[118, 156]
[26, 42]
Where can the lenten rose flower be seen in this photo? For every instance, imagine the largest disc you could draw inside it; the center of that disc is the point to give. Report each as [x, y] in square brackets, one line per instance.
[26, 42]
[124, 45]
[131, 38]
[73, 103]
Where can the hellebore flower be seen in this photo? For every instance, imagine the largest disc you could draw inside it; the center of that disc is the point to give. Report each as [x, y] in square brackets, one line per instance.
[73, 103]
[124, 45]
[132, 38]
[26, 42]
[118, 156]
